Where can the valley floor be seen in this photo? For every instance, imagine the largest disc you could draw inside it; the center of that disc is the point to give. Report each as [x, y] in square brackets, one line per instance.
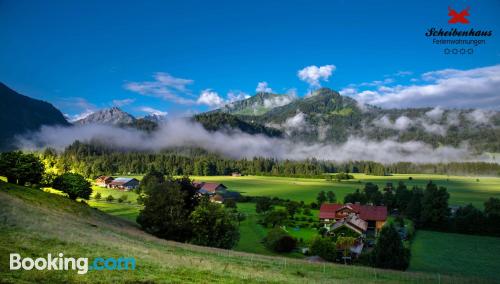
[34, 223]
[431, 251]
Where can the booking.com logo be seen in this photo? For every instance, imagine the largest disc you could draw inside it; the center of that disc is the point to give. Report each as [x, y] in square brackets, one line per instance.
[70, 263]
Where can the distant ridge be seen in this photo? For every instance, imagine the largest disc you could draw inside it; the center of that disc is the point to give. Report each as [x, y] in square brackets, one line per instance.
[20, 114]
[110, 116]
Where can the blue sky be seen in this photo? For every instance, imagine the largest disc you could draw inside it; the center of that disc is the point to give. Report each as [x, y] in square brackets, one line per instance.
[86, 55]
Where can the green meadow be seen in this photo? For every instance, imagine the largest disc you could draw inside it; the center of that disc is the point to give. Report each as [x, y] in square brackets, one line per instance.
[462, 189]
[35, 223]
[456, 254]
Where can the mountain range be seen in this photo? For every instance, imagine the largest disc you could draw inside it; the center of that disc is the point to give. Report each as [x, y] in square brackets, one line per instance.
[323, 116]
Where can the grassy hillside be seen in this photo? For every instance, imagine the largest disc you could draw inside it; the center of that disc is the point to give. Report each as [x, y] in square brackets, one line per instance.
[34, 223]
[456, 254]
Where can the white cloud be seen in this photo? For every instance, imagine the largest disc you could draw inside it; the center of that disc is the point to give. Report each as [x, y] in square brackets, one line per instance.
[82, 115]
[435, 114]
[124, 102]
[242, 145]
[152, 111]
[450, 88]
[234, 96]
[401, 123]
[314, 74]
[165, 87]
[434, 128]
[80, 106]
[403, 73]
[296, 122]
[210, 98]
[278, 101]
[348, 91]
[262, 87]
[479, 116]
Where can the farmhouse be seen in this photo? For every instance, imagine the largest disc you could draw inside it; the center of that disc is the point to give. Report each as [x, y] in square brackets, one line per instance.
[216, 191]
[124, 183]
[210, 188]
[103, 181]
[359, 217]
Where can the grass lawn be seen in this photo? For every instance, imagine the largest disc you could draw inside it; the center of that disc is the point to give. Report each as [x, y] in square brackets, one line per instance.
[456, 254]
[462, 189]
[252, 233]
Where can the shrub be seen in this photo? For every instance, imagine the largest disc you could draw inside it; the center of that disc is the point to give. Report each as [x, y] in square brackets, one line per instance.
[324, 247]
[230, 203]
[97, 196]
[110, 198]
[279, 241]
[122, 198]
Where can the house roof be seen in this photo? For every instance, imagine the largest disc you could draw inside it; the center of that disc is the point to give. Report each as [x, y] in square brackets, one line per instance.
[122, 181]
[366, 212]
[217, 197]
[209, 187]
[104, 178]
[353, 222]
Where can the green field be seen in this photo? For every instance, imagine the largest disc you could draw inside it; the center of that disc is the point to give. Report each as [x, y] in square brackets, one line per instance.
[456, 254]
[426, 254]
[34, 223]
[463, 190]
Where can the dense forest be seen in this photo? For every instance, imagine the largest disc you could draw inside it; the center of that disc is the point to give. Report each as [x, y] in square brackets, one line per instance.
[92, 160]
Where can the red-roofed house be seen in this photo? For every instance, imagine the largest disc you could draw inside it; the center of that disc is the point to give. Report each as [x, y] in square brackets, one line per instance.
[375, 216]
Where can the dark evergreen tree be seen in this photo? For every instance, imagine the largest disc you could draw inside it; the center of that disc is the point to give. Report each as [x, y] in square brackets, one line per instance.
[435, 210]
[469, 220]
[321, 198]
[389, 252]
[330, 195]
[414, 208]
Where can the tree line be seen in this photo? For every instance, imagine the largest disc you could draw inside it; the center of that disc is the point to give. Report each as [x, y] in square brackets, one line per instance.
[93, 159]
[429, 208]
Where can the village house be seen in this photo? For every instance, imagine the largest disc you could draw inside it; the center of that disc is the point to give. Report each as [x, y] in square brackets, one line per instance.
[103, 181]
[215, 191]
[124, 183]
[357, 217]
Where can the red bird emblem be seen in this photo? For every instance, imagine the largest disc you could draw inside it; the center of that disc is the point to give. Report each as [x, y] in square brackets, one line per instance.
[458, 17]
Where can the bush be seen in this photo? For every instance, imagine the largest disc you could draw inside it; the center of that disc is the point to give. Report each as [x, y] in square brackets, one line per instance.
[230, 203]
[122, 198]
[307, 212]
[97, 196]
[324, 247]
[110, 198]
[279, 241]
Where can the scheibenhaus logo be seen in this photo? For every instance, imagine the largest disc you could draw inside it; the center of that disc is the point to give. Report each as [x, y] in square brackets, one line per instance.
[456, 40]
[59, 262]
